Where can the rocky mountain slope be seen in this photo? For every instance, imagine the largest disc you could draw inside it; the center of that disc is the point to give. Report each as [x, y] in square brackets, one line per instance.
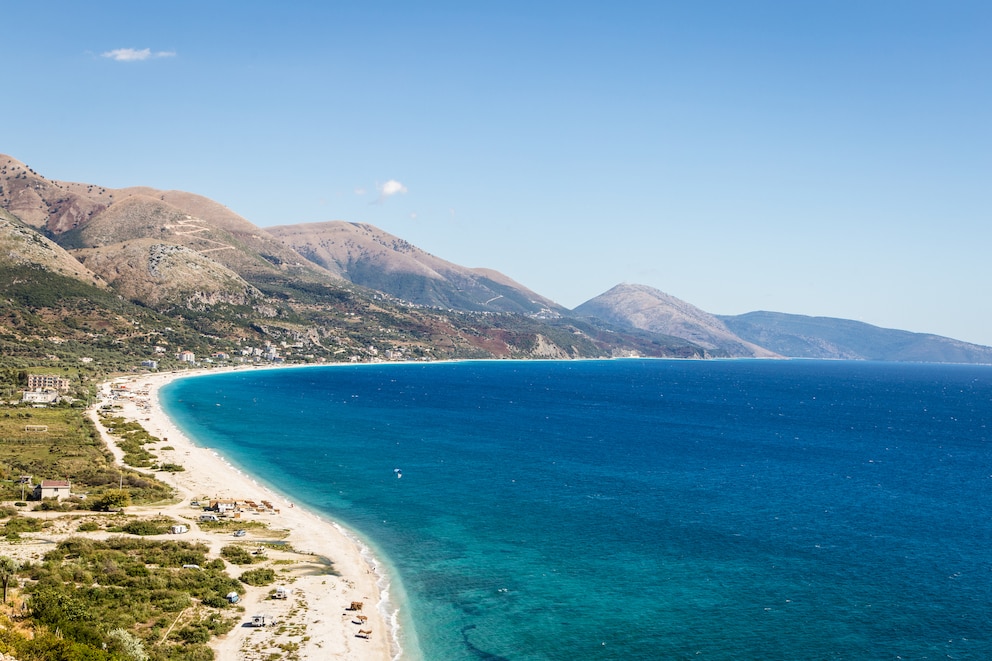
[22, 245]
[139, 268]
[136, 267]
[368, 256]
[646, 308]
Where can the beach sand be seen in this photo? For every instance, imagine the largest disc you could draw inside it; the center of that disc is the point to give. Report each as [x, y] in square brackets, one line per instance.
[315, 616]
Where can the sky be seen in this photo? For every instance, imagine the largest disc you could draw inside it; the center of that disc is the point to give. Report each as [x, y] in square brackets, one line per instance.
[828, 158]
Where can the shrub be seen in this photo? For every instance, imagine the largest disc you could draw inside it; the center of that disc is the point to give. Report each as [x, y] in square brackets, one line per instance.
[113, 499]
[215, 601]
[194, 633]
[170, 601]
[237, 555]
[23, 524]
[258, 577]
[56, 505]
[127, 645]
[145, 527]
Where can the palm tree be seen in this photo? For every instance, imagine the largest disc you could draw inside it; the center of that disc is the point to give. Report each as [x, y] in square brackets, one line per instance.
[8, 569]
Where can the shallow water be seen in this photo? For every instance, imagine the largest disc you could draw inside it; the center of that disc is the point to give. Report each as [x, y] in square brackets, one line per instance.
[642, 509]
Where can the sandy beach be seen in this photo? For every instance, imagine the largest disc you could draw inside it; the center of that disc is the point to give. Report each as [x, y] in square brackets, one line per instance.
[316, 616]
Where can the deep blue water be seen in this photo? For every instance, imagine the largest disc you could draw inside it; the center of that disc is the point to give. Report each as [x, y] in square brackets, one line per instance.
[642, 509]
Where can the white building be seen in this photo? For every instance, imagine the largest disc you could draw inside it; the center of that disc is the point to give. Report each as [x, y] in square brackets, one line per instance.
[57, 489]
[40, 396]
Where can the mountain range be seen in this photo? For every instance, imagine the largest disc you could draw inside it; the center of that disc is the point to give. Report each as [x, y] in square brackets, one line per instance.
[115, 273]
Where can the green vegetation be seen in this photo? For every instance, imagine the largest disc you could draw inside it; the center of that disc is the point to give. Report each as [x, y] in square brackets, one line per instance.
[19, 524]
[146, 527]
[70, 449]
[227, 525]
[239, 555]
[258, 577]
[125, 598]
[8, 570]
[92, 591]
[131, 438]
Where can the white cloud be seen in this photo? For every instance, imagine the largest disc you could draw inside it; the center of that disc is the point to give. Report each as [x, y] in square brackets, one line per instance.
[390, 188]
[134, 55]
[360, 191]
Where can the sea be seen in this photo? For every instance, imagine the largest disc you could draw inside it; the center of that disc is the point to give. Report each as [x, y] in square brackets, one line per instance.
[639, 509]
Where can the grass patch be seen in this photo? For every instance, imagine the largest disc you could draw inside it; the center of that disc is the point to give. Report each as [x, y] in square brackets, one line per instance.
[71, 449]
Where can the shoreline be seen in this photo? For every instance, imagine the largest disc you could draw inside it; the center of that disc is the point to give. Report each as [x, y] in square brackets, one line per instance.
[319, 600]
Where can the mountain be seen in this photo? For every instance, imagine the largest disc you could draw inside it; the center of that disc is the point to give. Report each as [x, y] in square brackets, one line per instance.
[824, 337]
[368, 256]
[646, 308]
[86, 269]
[117, 273]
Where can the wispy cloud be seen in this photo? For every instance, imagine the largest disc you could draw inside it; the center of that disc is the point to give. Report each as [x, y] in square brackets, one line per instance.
[388, 189]
[135, 55]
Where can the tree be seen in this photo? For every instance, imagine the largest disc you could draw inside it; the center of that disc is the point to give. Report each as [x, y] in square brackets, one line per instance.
[113, 499]
[8, 569]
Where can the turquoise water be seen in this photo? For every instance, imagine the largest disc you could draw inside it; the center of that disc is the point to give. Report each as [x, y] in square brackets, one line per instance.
[642, 509]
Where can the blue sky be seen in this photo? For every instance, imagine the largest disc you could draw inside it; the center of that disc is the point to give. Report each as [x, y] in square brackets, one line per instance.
[830, 158]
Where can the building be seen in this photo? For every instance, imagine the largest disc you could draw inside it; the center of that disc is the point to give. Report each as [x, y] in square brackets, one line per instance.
[223, 506]
[40, 397]
[186, 356]
[42, 381]
[150, 364]
[57, 489]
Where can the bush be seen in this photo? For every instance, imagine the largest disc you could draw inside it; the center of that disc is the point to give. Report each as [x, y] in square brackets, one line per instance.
[194, 633]
[23, 524]
[112, 500]
[237, 555]
[145, 527]
[127, 645]
[216, 601]
[170, 601]
[258, 577]
[56, 505]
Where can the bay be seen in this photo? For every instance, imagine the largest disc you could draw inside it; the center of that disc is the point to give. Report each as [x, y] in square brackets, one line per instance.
[641, 509]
